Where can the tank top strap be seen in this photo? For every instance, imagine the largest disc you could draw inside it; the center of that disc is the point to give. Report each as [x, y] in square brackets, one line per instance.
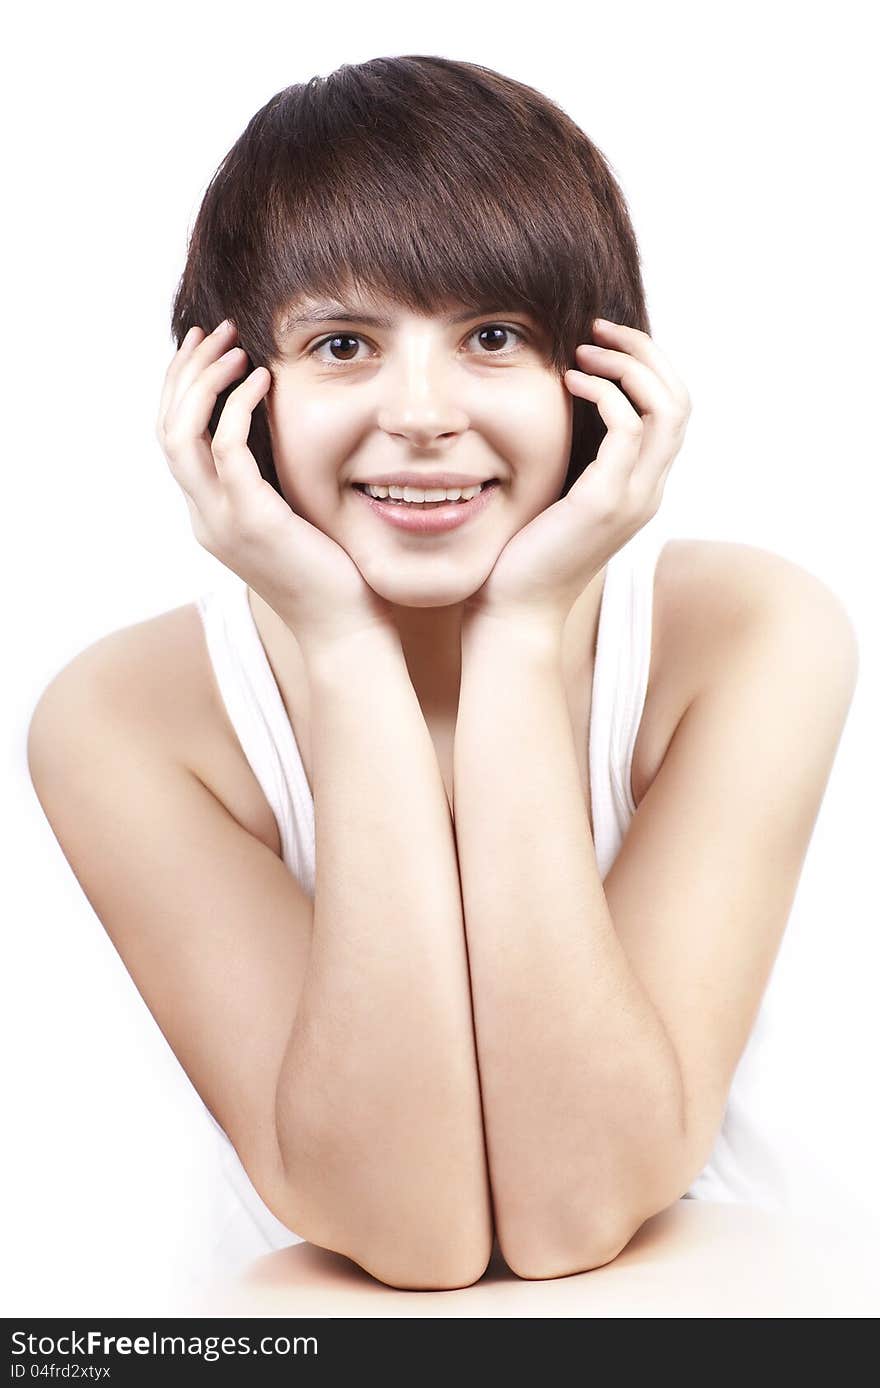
[257, 713]
[620, 683]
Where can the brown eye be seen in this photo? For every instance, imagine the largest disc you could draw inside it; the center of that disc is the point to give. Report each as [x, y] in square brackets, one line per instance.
[332, 342]
[490, 336]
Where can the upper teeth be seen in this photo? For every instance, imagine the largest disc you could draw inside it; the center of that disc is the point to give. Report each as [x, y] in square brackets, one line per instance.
[424, 494]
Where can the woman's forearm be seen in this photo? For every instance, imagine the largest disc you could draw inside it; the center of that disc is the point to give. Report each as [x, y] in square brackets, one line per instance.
[581, 1089]
[378, 1103]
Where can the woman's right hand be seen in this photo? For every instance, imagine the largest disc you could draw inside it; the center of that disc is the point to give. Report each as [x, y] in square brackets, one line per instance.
[311, 582]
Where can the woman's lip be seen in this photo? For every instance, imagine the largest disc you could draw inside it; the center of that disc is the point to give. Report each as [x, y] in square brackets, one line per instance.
[430, 520]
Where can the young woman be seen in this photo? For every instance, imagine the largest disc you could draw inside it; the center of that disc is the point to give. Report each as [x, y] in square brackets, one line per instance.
[450, 847]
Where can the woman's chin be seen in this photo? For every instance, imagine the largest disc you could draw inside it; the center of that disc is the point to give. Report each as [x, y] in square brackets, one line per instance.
[426, 591]
[401, 597]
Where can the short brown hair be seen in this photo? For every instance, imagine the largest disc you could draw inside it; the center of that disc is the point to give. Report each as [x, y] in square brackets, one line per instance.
[424, 179]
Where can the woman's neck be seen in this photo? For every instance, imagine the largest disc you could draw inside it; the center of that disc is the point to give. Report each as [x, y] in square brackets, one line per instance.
[431, 643]
[430, 638]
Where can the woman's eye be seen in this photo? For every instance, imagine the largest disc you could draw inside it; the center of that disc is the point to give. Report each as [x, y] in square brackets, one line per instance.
[347, 343]
[333, 341]
[493, 329]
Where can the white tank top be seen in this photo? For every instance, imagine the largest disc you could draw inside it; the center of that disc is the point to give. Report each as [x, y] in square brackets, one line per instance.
[738, 1167]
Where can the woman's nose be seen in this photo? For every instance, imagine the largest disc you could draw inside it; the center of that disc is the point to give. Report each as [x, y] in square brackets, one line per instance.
[420, 402]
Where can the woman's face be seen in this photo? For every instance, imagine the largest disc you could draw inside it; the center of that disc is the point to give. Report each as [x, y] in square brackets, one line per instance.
[474, 394]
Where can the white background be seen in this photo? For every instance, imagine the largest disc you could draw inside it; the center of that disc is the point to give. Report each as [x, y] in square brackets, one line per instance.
[745, 142]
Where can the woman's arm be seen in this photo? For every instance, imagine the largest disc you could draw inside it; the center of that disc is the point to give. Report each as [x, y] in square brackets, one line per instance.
[378, 1102]
[580, 1084]
[611, 1016]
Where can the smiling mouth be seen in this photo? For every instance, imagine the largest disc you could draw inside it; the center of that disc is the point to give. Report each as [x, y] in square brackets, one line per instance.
[466, 494]
[427, 518]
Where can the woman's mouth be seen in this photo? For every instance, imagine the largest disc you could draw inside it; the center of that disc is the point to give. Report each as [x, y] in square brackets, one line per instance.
[428, 517]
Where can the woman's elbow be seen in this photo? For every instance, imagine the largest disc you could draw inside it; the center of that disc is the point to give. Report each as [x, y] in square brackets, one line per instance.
[429, 1268]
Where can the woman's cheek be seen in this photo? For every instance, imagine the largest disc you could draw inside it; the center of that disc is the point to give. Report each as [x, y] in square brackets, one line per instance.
[539, 409]
[313, 446]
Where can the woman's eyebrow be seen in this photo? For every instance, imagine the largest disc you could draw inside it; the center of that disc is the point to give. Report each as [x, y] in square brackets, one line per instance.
[339, 313]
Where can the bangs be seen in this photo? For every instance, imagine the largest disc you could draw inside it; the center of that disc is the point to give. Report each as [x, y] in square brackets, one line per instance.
[419, 212]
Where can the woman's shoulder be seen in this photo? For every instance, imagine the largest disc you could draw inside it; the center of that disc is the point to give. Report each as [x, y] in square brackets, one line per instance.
[709, 592]
[157, 675]
[707, 580]
[152, 671]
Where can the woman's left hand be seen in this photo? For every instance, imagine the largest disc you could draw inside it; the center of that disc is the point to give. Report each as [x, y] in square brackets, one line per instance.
[544, 567]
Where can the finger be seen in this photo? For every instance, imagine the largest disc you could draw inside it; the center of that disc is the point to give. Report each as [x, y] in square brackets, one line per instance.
[214, 345]
[648, 392]
[190, 341]
[236, 466]
[663, 418]
[643, 347]
[191, 413]
[195, 353]
[186, 441]
[619, 451]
